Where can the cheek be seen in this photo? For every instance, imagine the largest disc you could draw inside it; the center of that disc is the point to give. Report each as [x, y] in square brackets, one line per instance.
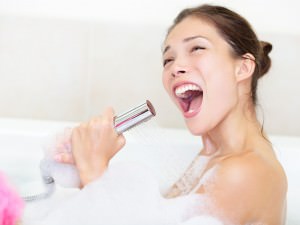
[221, 91]
[224, 91]
[166, 82]
[221, 79]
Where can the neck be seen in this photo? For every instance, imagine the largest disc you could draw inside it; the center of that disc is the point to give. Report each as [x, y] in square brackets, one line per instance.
[234, 134]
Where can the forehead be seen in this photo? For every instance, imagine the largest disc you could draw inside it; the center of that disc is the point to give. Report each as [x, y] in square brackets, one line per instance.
[192, 26]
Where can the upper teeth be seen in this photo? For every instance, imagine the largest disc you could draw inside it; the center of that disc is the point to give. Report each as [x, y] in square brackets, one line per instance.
[181, 90]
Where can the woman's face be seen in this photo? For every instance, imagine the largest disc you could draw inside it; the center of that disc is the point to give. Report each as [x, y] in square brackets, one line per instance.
[199, 74]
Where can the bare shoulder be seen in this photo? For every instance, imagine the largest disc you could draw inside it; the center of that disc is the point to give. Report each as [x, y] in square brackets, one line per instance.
[251, 167]
[248, 184]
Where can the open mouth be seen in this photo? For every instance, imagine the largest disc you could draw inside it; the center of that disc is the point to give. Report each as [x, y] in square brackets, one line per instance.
[190, 97]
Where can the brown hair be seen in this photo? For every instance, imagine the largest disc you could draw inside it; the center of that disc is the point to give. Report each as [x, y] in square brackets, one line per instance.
[237, 32]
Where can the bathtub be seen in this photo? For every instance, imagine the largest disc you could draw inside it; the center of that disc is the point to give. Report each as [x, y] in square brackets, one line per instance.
[164, 150]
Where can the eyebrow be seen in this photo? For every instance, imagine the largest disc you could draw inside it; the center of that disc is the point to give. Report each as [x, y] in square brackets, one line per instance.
[184, 40]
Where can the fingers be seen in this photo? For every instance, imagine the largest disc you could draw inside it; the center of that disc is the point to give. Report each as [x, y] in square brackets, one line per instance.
[105, 119]
[64, 158]
[93, 144]
[109, 114]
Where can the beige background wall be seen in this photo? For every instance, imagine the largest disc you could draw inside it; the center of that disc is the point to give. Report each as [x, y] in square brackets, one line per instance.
[70, 68]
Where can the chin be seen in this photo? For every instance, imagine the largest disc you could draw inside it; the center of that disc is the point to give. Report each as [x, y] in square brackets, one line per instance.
[194, 128]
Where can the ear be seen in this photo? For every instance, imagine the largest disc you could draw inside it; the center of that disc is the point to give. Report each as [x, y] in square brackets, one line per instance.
[245, 67]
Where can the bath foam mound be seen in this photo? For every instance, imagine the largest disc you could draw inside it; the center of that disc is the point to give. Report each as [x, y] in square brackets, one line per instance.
[126, 194]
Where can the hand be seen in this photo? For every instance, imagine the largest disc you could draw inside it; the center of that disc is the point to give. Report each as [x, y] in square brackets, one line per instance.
[93, 145]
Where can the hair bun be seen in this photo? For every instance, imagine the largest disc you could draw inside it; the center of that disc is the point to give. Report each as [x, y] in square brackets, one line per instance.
[266, 47]
[265, 61]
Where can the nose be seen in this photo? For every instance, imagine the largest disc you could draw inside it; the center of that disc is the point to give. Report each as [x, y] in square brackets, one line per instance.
[179, 68]
[178, 73]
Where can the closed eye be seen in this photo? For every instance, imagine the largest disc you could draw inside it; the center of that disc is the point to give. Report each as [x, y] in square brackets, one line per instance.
[197, 48]
[166, 61]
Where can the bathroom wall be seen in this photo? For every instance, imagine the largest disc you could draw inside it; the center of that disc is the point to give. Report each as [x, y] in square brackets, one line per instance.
[69, 62]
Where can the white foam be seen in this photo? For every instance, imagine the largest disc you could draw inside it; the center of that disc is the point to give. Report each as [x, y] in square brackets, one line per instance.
[167, 159]
[203, 220]
[127, 194]
[65, 175]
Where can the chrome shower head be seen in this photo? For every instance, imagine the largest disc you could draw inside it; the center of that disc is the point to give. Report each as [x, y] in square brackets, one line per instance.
[134, 116]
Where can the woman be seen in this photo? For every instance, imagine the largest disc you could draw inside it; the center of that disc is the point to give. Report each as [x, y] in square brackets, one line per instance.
[212, 61]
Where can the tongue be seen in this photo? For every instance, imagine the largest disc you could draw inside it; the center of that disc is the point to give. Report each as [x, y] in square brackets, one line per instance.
[195, 103]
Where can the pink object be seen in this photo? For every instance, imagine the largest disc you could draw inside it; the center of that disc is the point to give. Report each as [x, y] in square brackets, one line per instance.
[11, 205]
